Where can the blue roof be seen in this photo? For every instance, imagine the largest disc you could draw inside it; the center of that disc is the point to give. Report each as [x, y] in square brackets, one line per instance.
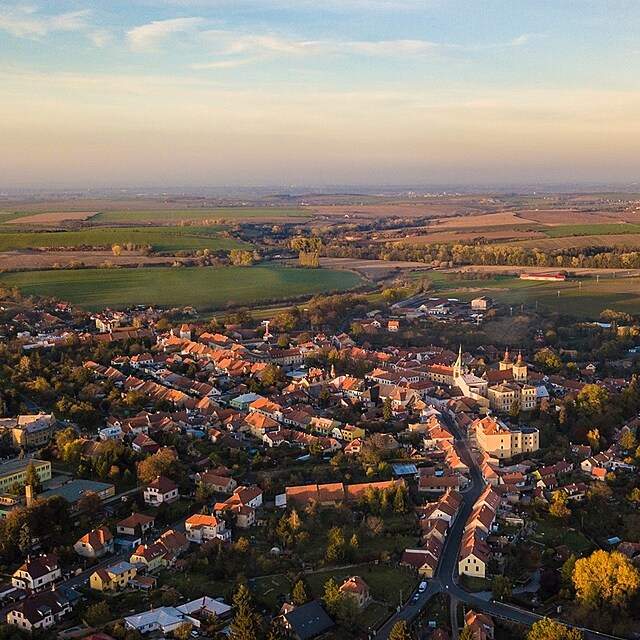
[404, 468]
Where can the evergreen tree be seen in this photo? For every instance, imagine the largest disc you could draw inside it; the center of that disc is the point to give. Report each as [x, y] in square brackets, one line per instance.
[33, 478]
[332, 597]
[246, 623]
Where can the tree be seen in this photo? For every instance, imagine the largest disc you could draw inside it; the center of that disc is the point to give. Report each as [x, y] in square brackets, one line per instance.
[547, 629]
[501, 588]
[548, 360]
[592, 398]
[401, 631]
[162, 463]
[466, 634]
[387, 410]
[299, 594]
[332, 597]
[32, 478]
[634, 496]
[559, 507]
[183, 631]
[605, 580]
[628, 441]
[566, 573]
[90, 503]
[97, 614]
[246, 623]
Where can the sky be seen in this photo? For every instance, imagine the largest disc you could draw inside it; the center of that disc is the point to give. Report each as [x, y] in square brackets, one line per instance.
[316, 92]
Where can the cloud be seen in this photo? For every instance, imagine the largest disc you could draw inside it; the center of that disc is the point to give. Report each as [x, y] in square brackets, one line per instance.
[148, 37]
[236, 49]
[25, 21]
[100, 38]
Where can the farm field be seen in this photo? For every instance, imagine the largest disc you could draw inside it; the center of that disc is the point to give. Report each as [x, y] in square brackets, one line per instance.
[230, 213]
[210, 288]
[160, 238]
[586, 301]
[592, 229]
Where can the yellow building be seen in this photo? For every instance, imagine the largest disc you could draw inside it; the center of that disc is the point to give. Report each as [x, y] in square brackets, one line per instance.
[503, 397]
[500, 441]
[350, 433]
[15, 472]
[113, 578]
[152, 556]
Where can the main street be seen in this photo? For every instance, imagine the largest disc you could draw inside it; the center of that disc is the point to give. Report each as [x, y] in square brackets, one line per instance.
[445, 577]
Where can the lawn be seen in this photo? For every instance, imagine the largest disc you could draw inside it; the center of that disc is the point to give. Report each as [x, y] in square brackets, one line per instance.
[554, 534]
[582, 297]
[591, 229]
[385, 583]
[160, 238]
[271, 591]
[230, 213]
[207, 288]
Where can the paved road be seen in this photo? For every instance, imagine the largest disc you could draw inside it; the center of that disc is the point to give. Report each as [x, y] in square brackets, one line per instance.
[445, 578]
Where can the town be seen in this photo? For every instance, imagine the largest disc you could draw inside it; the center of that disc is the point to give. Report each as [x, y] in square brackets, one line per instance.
[315, 475]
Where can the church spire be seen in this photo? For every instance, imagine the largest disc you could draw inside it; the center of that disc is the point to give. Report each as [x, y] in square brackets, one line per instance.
[457, 367]
[507, 355]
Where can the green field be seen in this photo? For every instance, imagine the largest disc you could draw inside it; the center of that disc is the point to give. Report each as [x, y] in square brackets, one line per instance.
[586, 301]
[230, 213]
[591, 229]
[204, 288]
[160, 238]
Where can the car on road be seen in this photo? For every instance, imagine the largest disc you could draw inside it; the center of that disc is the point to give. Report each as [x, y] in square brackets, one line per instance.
[415, 598]
[422, 587]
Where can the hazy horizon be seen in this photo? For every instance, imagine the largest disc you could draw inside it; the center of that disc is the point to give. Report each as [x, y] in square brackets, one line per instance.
[291, 92]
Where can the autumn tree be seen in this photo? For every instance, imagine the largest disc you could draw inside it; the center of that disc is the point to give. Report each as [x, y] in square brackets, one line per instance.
[183, 631]
[628, 441]
[559, 507]
[546, 629]
[401, 631]
[592, 398]
[162, 463]
[605, 580]
[299, 594]
[466, 634]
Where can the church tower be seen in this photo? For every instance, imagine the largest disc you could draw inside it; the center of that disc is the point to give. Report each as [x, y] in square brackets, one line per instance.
[506, 363]
[519, 369]
[458, 365]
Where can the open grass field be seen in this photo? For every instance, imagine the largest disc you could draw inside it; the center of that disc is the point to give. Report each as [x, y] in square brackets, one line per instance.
[592, 229]
[173, 215]
[585, 301]
[210, 288]
[385, 582]
[160, 238]
[48, 217]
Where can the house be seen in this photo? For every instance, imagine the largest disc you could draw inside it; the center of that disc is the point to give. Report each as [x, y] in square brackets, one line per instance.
[40, 612]
[135, 524]
[483, 303]
[202, 528]
[393, 326]
[307, 621]
[220, 484]
[95, 544]
[143, 444]
[37, 573]
[113, 577]
[160, 491]
[151, 557]
[481, 625]
[359, 589]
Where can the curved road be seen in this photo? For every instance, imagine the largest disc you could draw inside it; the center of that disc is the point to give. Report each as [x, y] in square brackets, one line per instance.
[445, 579]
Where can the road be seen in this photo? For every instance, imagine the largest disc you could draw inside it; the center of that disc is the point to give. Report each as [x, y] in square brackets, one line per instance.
[444, 580]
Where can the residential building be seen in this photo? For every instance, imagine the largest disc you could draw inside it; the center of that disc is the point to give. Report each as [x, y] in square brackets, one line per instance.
[160, 491]
[95, 544]
[202, 528]
[359, 589]
[37, 573]
[29, 431]
[113, 577]
[135, 524]
[307, 621]
[40, 612]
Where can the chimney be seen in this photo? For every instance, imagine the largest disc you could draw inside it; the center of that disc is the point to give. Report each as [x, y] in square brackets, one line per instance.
[29, 495]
